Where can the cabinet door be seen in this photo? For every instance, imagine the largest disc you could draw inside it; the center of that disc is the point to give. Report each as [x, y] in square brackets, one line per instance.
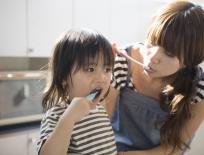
[92, 14]
[196, 145]
[130, 19]
[13, 28]
[13, 144]
[33, 135]
[47, 19]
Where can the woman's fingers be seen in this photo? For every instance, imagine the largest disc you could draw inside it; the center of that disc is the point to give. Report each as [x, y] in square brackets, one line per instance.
[115, 49]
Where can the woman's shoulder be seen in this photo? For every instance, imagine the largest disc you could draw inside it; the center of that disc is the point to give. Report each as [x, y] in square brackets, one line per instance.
[199, 89]
[120, 72]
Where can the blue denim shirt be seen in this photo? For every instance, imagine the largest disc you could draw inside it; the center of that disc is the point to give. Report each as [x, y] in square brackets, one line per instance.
[136, 120]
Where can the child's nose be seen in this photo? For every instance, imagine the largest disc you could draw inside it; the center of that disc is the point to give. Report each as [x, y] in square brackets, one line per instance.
[101, 77]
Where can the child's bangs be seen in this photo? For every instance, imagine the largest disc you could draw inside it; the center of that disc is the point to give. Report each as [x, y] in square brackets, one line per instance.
[93, 56]
[92, 53]
[107, 55]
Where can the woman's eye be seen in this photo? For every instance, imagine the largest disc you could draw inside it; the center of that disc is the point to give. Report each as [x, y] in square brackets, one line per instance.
[148, 45]
[169, 54]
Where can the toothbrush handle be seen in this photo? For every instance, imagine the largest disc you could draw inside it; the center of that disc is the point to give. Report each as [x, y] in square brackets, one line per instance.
[123, 53]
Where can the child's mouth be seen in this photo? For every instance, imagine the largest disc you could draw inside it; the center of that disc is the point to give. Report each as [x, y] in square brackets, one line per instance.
[94, 94]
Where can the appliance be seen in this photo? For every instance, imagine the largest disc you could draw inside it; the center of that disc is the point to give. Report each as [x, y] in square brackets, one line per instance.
[21, 97]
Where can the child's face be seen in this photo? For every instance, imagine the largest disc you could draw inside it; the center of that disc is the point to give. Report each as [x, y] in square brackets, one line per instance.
[94, 76]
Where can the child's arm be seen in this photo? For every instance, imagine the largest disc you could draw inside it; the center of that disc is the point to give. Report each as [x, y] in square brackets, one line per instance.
[59, 141]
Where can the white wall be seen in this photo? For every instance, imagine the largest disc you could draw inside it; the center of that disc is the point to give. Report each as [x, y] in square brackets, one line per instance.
[197, 145]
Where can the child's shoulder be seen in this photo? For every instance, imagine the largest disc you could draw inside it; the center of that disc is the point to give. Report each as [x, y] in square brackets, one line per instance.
[57, 107]
[55, 111]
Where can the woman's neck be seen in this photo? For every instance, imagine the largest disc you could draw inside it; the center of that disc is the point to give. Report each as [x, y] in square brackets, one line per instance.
[147, 86]
[142, 81]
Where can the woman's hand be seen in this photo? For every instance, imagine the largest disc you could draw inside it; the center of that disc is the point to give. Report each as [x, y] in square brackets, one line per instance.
[115, 49]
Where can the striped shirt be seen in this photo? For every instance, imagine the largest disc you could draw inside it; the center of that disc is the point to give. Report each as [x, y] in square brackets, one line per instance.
[93, 135]
[120, 79]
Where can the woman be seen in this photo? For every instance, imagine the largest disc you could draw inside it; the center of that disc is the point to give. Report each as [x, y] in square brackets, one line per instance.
[158, 108]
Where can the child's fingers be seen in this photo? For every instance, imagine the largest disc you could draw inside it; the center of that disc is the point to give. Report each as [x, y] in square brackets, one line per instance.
[92, 105]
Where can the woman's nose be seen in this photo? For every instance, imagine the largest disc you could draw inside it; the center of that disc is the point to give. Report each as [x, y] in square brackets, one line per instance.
[155, 60]
[154, 56]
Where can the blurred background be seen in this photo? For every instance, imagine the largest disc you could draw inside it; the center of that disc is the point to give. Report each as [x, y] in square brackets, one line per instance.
[28, 31]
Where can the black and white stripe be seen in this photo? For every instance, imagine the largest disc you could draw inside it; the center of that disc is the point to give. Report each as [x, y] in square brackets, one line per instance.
[120, 74]
[92, 135]
[199, 92]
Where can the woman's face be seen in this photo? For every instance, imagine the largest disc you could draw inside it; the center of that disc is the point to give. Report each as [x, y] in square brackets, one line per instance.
[160, 62]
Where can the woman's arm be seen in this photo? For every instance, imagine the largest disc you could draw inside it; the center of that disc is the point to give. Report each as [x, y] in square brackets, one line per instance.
[110, 100]
[154, 151]
[190, 129]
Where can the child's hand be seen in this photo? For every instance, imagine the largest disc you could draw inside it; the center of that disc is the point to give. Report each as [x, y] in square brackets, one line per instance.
[80, 107]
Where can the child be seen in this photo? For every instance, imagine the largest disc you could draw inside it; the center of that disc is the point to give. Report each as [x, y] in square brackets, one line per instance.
[74, 123]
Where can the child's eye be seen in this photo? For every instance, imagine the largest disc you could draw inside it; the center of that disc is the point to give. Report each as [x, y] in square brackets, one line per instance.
[90, 69]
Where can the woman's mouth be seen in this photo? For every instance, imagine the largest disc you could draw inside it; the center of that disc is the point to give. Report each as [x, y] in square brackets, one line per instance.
[150, 69]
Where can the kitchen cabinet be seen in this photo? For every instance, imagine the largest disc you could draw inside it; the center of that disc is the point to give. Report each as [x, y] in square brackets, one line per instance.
[124, 21]
[46, 20]
[130, 19]
[13, 28]
[93, 14]
[19, 142]
[39, 23]
[30, 27]
[196, 145]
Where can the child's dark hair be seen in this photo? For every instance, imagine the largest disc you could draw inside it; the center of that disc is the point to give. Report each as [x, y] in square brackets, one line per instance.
[179, 29]
[72, 52]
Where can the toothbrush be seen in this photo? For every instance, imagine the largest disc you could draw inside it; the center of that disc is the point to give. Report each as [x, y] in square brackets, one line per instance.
[91, 96]
[124, 53]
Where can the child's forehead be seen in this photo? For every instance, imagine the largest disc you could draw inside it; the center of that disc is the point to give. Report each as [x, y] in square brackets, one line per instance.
[94, 60]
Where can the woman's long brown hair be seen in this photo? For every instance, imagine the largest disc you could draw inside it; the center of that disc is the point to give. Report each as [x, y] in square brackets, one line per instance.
[179, 29]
